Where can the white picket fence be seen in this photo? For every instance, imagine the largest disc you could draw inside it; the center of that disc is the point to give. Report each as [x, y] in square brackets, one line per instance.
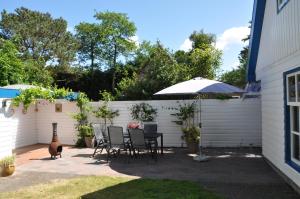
[225, 123]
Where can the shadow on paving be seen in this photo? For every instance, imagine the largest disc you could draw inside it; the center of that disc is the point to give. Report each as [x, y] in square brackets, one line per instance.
[235, 173]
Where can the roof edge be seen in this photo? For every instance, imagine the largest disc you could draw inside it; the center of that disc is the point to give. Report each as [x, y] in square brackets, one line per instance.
[256, 29]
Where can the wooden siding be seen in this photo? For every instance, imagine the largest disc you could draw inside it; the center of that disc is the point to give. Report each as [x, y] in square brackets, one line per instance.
[279, 52]
[280, 35]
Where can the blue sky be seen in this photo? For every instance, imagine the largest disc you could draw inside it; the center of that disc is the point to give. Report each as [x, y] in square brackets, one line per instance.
[170, 21]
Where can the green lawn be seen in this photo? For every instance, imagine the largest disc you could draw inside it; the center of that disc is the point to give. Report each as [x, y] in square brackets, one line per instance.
[113, 187]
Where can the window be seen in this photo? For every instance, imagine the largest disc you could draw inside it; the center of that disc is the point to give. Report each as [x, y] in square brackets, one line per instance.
[295, 136]
[281, 4]
[292, 118]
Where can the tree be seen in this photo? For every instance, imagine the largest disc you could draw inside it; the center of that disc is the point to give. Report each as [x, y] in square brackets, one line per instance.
[35, 73]
[201, 39]
[118, 31]
[11, 70]
[203, 59]
[38, 36]
[205, 62]
[90, 37]
[237, 77]
[157, 69]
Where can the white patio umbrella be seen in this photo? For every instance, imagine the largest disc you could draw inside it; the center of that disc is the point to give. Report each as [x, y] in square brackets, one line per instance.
[199, 86]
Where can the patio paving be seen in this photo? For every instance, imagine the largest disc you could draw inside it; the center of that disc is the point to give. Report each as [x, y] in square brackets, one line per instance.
[235, 173]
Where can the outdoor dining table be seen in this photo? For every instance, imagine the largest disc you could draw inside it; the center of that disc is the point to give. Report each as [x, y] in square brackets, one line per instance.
[152, 136]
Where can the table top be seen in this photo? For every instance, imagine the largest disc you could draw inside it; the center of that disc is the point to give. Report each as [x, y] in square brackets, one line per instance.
[147, 135]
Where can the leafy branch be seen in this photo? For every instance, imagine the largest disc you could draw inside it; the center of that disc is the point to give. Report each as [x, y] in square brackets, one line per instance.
[104, 112]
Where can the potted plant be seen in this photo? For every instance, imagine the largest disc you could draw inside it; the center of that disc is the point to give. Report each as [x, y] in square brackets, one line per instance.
[82, 125]
[7, 165]
[87, 133]
[104, 112]
[143, 112]
[185, 118]
[191, 137]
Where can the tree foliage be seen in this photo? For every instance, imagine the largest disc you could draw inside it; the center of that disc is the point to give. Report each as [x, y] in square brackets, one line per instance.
[203, 60]
[118, 31]
[11, 69]
[237, 77]
[100, 56]
[157, 69]
[90, 37]
[35, 73]
[38, 36]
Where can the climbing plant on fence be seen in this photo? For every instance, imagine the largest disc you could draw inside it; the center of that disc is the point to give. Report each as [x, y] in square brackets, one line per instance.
[31, 95]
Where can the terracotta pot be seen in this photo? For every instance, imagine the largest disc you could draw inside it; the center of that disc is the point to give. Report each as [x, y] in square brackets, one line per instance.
[193, 147]
[88, 142]
[7, 171]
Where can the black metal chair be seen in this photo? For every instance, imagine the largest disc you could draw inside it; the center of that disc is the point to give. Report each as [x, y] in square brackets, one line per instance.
[138, 143]
[116, 141]
[100, 141]
[151, 128]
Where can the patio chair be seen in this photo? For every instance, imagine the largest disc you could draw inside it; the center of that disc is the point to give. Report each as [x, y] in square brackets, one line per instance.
[138, 142]
[151, 128]
[116, 141]
[100, 140]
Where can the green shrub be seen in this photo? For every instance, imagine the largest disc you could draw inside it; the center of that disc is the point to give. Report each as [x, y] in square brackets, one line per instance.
[143, 112]
[7, 161]
[86, 131]
[191, 135]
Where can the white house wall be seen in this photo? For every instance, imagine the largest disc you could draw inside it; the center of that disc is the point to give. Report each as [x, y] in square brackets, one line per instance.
[279, 52]
[281, 33]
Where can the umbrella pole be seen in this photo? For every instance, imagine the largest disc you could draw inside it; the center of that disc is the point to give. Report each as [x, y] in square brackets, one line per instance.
[200, 157]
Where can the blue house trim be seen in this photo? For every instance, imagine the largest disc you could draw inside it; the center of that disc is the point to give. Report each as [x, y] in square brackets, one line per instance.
[287, 123]
[9, 93]
[256, 28]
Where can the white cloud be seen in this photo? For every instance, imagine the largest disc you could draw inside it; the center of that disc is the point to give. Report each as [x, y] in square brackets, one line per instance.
[186, 45]
[232, 36]
[135, 39]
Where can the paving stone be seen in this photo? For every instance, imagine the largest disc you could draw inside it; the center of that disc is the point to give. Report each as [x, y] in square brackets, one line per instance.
[232, 172]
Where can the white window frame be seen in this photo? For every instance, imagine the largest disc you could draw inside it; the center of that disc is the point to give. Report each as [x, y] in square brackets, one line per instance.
[281, 5]
[291, 105]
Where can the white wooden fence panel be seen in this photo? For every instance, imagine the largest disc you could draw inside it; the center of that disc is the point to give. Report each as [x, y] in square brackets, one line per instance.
[227, 123]
[16, 130]
[66, 124]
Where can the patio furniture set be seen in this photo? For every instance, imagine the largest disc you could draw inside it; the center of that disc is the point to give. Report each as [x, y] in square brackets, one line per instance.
[134, 141]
